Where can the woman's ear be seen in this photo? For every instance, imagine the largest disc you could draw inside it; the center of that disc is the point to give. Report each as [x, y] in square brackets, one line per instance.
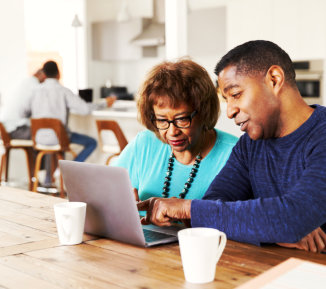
[275, 78]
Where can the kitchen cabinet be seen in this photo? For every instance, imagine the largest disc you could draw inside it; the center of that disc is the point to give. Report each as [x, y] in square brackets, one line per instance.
[112, 40]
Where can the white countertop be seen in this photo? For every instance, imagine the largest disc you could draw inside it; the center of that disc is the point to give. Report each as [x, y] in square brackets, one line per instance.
[120, 108]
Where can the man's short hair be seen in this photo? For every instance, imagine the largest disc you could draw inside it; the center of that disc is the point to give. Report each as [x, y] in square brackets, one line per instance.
[51, 69]
[256, 57]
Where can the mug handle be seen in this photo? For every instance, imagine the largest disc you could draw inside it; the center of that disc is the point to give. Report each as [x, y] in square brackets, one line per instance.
[221, 246]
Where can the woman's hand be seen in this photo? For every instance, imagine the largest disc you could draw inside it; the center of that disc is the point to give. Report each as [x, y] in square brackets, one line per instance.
[314, 242]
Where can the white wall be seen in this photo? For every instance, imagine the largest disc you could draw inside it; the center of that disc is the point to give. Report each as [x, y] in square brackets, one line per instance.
[49, 32]
[298, 26]
[12, 49]
[42, 32]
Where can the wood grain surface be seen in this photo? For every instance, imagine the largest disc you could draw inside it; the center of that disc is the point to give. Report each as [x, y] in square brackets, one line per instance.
[31, 256]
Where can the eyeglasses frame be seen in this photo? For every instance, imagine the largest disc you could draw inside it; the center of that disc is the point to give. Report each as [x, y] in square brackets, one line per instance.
[191, 116]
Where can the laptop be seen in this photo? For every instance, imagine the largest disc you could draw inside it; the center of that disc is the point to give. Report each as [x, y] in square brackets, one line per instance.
[111, 207]
[86, 94]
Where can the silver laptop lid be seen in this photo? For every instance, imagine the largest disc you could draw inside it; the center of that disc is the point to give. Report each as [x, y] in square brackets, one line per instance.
[112, 215]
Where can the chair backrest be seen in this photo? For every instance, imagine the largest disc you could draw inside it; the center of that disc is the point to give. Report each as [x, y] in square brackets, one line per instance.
[113, 126]
[54, 124]
[4, 135]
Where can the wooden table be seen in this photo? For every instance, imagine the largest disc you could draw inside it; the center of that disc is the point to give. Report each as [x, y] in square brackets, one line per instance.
[31, 256]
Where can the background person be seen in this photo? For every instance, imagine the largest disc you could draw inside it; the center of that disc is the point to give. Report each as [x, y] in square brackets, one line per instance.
[53, 100]
[181, 152]
[13, 118]
[273, 187]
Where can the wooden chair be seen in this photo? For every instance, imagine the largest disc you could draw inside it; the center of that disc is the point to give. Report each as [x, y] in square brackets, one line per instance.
[8, 145]
[116, 129]
[57, 151]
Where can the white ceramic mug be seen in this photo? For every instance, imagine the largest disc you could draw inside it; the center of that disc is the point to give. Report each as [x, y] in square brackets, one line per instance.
[200, 249]
[70, 220]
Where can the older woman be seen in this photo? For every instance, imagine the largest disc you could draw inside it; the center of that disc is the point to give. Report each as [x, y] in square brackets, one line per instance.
[181, 152]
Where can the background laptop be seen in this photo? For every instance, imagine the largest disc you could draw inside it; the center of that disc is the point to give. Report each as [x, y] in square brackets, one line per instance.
[111, 206]
[86, 94]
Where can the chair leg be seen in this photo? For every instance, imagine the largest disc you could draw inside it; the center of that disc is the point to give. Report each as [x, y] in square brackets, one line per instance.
[7, 164]
[62, 192]
[30, 165]
[74, 154]
[110, 158]
[37, 168]
[3, 160]
[53, 167]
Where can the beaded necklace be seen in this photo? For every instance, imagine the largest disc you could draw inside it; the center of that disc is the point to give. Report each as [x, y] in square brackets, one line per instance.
[192, 175]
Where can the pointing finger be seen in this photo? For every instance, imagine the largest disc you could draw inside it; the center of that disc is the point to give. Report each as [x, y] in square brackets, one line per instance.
[143, 206]
[143, 221]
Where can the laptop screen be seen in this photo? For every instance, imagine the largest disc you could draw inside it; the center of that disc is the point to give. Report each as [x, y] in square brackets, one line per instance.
[86, 94]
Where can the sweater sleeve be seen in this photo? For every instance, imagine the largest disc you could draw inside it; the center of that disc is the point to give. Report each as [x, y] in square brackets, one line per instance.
[280, 219]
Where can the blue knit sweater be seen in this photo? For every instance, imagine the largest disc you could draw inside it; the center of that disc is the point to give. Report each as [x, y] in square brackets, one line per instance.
[271, 190]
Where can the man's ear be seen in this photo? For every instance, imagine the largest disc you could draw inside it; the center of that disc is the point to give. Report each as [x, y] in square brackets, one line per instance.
[275, 78]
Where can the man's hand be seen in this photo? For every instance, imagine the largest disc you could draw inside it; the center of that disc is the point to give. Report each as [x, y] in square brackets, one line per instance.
[162, 212]
[110, 100]
[314, 242]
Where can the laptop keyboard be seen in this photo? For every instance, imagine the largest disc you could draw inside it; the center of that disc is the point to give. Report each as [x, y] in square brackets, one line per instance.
[151, 236]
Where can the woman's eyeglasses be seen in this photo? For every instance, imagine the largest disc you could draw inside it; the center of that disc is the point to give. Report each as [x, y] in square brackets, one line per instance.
[180, 122]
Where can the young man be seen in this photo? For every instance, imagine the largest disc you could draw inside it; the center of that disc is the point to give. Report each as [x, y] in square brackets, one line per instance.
[273, 187]
[53, 100]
